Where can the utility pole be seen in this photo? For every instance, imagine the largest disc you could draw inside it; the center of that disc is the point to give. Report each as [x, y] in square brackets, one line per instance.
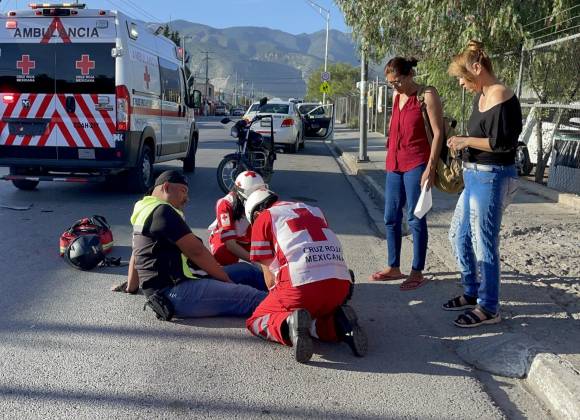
[243, 101]
[362, 148]
[236, 91]
[207, 53]
[326, 16]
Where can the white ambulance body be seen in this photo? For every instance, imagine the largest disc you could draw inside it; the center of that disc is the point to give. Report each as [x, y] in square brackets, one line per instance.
[90, 93]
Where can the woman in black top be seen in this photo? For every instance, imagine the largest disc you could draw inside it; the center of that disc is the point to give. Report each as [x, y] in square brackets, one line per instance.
[490, 178]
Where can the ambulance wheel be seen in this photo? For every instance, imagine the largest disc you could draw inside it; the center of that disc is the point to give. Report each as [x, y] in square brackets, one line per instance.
[189, 161]
[24, 184]
[140, 178]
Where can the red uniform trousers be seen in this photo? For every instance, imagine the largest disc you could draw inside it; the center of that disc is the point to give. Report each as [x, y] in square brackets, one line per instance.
[320, 299]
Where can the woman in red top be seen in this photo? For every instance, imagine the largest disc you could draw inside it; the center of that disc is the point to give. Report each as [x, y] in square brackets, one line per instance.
[410, 164]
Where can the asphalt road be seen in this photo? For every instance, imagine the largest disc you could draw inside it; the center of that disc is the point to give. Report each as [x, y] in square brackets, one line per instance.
[71, 348]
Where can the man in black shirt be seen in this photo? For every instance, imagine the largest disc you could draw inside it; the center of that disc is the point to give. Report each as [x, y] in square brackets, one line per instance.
[165, 249]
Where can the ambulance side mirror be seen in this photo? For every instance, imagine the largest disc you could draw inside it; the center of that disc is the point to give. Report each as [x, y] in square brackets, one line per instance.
[194, 99]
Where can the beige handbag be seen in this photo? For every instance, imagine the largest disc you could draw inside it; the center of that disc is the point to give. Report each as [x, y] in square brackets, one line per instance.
[449, 170]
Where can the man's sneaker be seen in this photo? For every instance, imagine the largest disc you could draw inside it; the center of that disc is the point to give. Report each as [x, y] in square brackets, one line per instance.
[349, 331]
[299, 331]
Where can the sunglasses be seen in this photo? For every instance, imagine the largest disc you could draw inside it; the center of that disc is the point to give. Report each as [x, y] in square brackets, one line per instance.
[395, 83]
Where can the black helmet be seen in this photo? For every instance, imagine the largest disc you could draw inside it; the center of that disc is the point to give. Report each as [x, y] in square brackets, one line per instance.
[85, 252]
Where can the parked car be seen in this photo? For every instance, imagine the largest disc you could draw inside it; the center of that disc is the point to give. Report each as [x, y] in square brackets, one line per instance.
[221, 110]
[527, 151]
[238, 112]
[316, 119]
[288, 130]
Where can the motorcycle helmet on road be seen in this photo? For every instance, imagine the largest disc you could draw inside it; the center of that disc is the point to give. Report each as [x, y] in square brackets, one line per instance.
[85, 252]
[247, 182]
[259, 200]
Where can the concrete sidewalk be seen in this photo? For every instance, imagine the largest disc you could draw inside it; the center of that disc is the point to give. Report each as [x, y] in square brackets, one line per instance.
[539, 338]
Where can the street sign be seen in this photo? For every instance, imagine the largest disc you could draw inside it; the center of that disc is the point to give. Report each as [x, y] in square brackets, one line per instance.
[325, 76]
[324, 87]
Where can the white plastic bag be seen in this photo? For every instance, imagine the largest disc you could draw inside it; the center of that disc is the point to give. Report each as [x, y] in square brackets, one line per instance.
[424, 203]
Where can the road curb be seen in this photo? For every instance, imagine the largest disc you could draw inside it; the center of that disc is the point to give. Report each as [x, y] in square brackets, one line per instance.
[557, 383]
[570, 200]
[550, 378]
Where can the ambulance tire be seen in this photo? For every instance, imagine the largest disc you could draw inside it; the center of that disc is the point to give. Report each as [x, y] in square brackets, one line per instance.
[189, 161]
[24, 184]
[141, 177]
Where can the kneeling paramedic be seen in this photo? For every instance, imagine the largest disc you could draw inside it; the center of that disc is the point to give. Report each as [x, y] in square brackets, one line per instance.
[305, 271]
[163, 250]
[230, 232]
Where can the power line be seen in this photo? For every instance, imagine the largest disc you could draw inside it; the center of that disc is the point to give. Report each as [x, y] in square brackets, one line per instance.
[141, 10]
[118, 7]
[557, 32]
[551, 16]
[554, 25]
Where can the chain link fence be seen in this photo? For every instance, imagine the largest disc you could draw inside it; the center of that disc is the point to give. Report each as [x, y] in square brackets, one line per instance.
[379, 108]
[548, 84]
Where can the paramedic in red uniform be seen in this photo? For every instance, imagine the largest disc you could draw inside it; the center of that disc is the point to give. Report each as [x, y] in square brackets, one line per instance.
[229, 239]
[305, 271]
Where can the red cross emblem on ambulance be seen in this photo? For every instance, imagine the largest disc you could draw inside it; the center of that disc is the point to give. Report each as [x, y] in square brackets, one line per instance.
[25, 64]
[310, 222]
[85, 64]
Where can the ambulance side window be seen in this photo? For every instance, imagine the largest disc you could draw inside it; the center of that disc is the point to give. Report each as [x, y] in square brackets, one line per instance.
[170, 84]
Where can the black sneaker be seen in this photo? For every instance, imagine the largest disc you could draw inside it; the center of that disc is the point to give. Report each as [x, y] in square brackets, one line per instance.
[349, 330]
[299, 330]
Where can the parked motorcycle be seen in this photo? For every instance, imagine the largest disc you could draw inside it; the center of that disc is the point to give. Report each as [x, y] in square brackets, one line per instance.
[255, 151]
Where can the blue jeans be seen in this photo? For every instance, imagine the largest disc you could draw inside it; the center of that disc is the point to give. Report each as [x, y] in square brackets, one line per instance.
[209, 297]
[474, 232]
[404, 188]
[248, 274]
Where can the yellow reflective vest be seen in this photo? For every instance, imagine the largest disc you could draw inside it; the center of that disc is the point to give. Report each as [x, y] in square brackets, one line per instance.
[142, 211]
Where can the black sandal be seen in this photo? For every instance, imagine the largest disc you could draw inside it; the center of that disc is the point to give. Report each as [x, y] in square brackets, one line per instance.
[470, 320]
[456, 305]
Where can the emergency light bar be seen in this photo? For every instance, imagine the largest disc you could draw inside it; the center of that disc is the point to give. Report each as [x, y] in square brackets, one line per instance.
[57, 6]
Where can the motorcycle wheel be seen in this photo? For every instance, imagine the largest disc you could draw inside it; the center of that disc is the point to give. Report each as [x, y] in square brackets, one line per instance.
[227, 171]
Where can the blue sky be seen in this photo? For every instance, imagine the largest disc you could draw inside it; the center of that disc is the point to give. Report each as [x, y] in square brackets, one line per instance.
[294, 16]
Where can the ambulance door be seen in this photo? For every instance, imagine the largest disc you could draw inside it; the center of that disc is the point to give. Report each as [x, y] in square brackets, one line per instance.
[85, 101]
[27, 80]
[172, 110]
[146, 92]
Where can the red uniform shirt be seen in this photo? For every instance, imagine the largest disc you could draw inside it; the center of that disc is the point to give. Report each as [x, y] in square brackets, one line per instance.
[302, 247]
[407, 144]
[225, 228]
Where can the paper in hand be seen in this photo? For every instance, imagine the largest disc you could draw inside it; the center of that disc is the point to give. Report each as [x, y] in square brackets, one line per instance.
[424, 203]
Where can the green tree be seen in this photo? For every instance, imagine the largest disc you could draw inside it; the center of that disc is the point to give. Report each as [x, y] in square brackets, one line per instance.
[343, 82]
[434, 30]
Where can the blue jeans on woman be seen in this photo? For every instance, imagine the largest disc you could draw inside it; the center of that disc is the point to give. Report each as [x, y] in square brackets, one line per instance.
[474, 232]
[209, 297]
[404, 188]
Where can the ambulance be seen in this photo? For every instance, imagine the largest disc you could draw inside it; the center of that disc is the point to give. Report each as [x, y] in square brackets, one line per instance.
[90, 94]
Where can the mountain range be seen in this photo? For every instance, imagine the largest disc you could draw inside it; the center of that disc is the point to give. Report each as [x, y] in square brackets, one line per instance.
[277, 63]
